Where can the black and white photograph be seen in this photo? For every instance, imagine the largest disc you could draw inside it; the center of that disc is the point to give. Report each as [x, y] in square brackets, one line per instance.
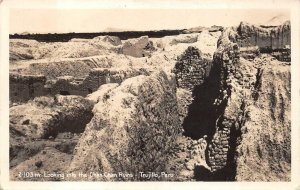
[150, 94]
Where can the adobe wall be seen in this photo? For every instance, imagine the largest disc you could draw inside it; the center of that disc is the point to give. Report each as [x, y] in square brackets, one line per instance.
[26, 87]
[191, 69]
[218, 148]
[274, 38]
[241, 148]
[228, 57]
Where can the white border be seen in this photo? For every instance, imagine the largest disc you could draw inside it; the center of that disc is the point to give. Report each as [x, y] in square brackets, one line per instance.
[6, 5]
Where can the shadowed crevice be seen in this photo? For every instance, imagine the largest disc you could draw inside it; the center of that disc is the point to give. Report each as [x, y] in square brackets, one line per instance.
[202, 113]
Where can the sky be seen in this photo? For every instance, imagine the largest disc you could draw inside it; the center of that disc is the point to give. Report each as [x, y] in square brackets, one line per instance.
[99, 20]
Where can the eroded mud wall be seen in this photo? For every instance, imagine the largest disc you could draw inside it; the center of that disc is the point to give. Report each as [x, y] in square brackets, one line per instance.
[191, 69]
[275, 38]
[133, 129]
[246, 122]
[24, 88]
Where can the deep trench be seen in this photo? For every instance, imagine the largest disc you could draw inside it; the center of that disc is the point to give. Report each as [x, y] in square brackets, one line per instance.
[201, 120]
[228, 172]
[202, 113]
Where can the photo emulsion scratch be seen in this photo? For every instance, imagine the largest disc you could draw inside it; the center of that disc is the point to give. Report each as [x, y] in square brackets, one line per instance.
[150, 95]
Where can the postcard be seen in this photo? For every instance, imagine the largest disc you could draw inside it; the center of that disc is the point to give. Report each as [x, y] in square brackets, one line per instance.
[150, 94]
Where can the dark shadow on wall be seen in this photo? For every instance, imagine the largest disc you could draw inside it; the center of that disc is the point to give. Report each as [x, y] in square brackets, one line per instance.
[89, 91]
[228, 173]
[202, 113]
[73, 125]
[202, 174]
[64, 93]
[201, 120]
